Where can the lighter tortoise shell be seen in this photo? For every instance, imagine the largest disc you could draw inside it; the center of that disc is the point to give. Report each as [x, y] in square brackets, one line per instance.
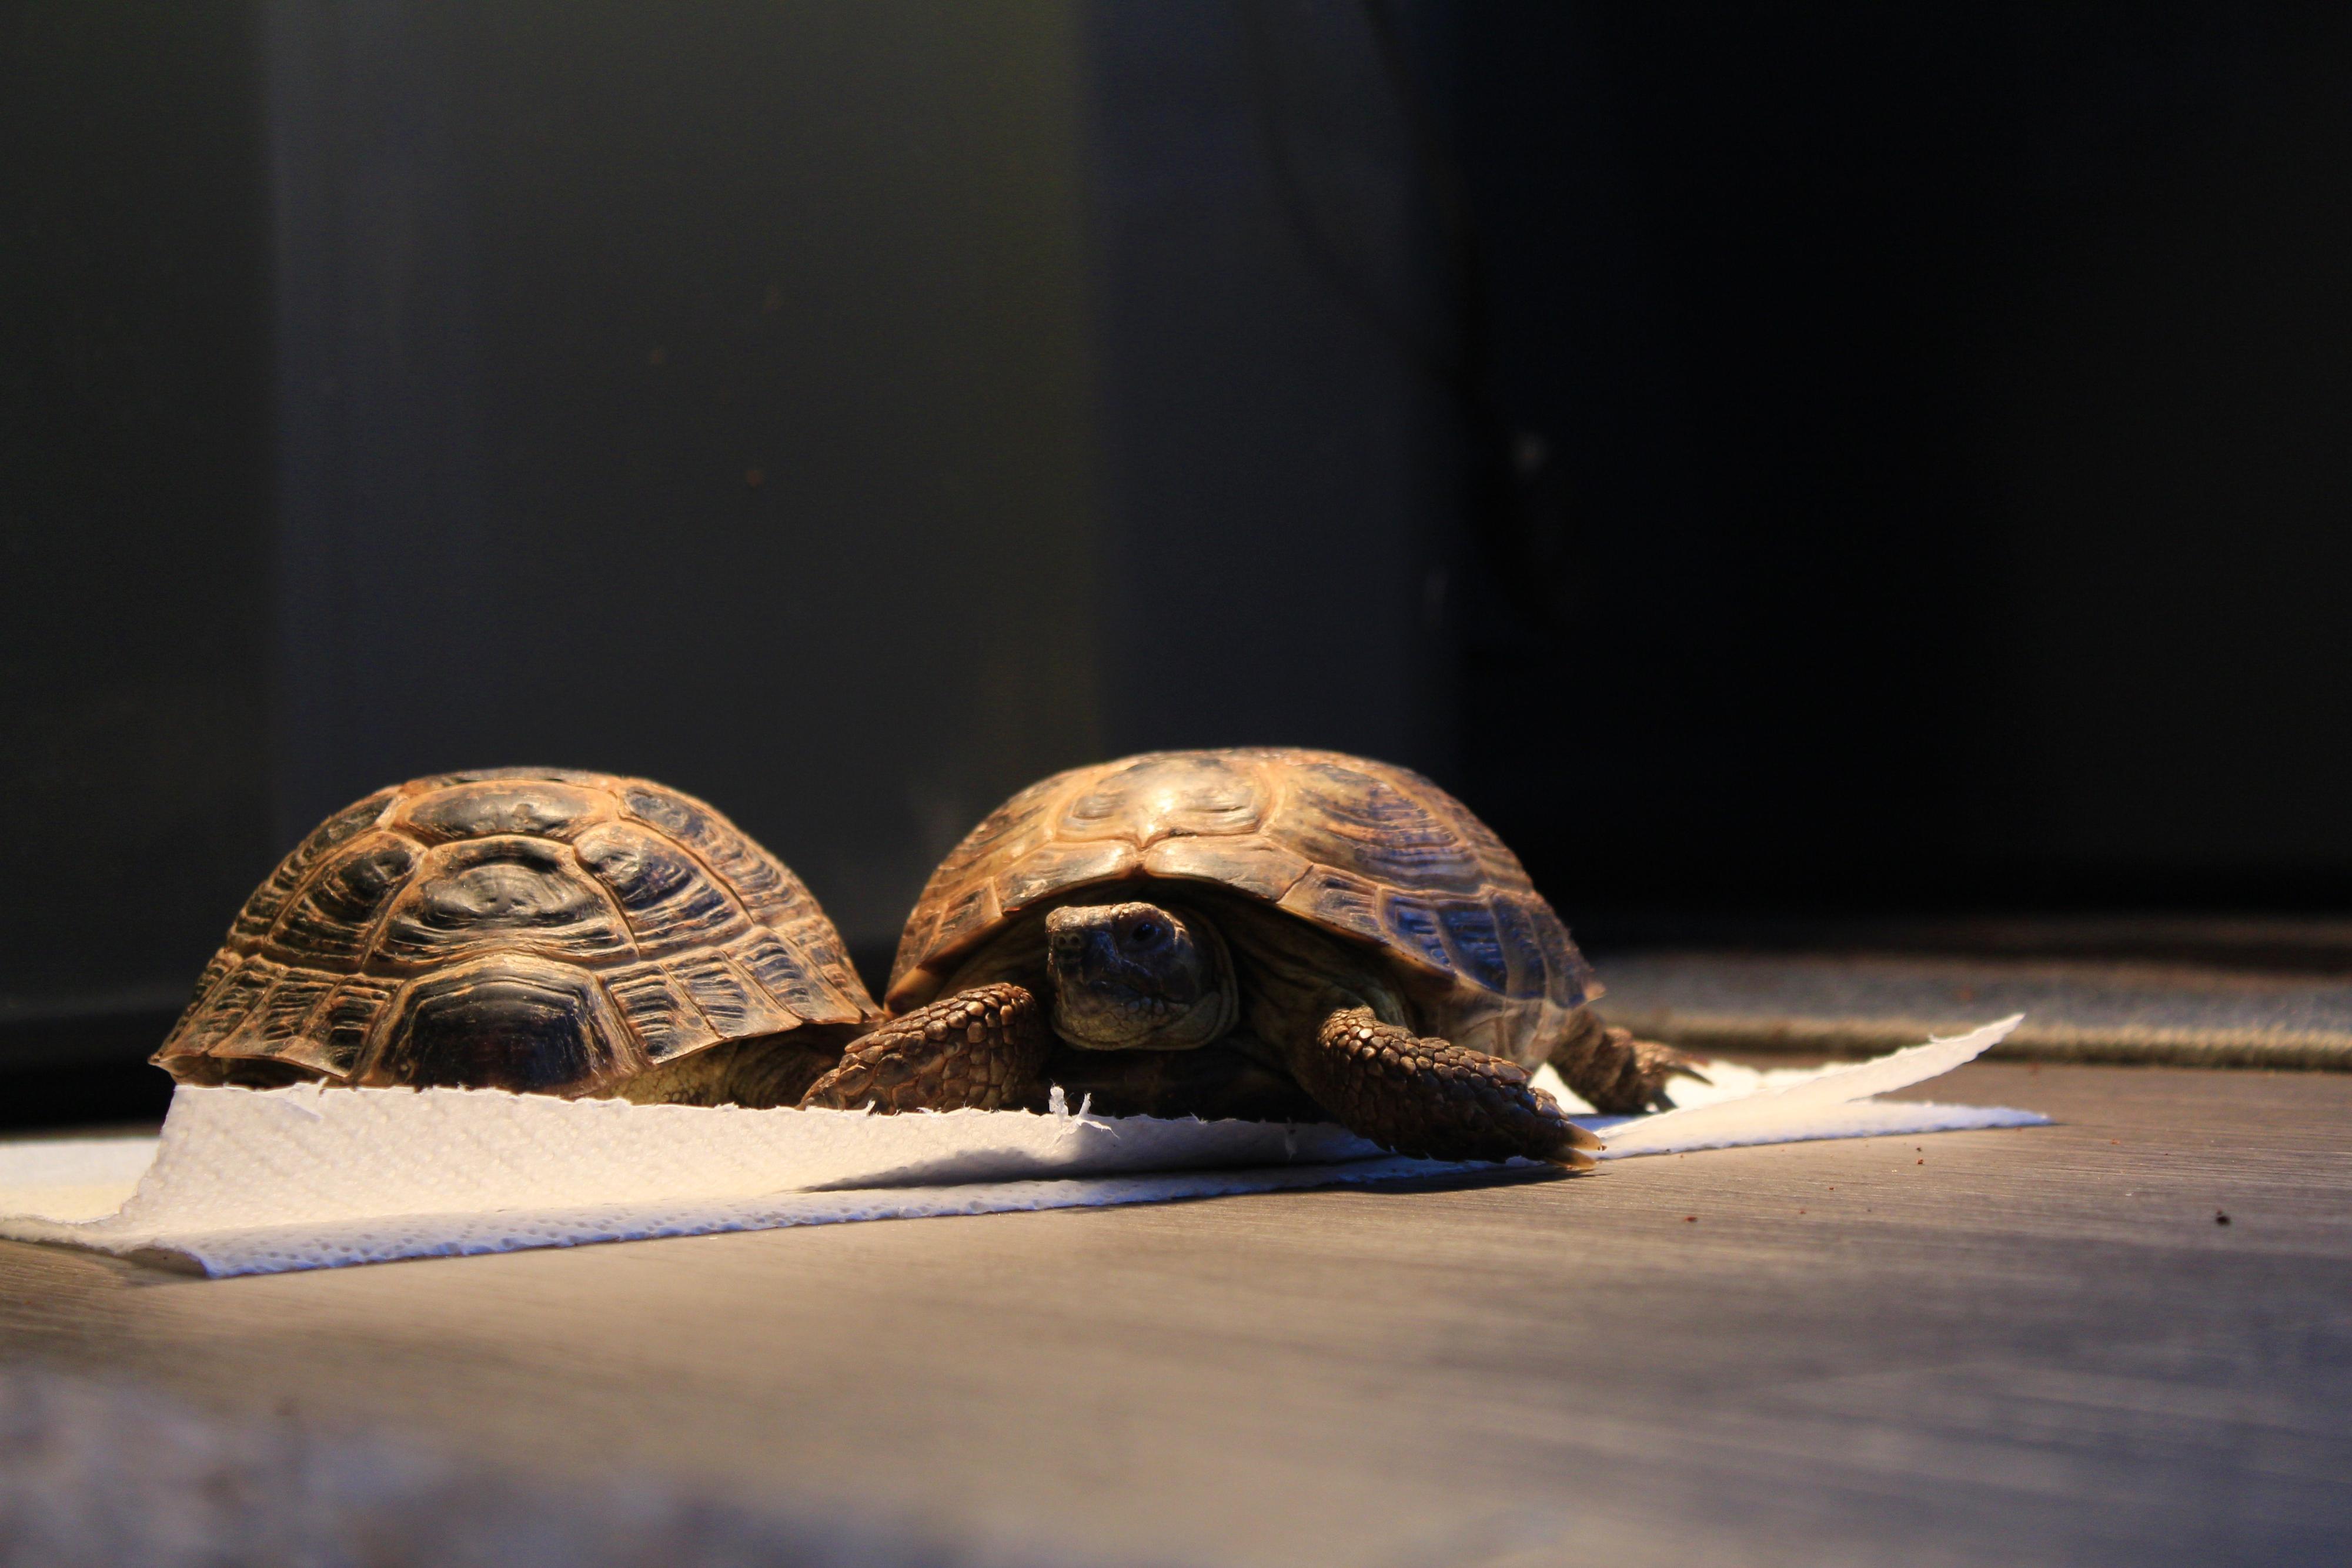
[1368, 851]
[641, 924]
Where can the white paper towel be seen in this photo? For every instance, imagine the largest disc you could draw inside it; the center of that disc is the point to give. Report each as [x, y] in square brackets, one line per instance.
[258, 1181]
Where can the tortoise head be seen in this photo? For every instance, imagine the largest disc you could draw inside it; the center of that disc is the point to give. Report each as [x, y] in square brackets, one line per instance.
[1136, 976]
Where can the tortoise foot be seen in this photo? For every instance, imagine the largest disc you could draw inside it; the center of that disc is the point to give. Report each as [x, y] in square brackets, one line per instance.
[1432, 1098]
[979, 1050]
[1618, 1074]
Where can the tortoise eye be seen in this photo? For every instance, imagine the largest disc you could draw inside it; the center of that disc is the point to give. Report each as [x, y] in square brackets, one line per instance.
[1143, 931]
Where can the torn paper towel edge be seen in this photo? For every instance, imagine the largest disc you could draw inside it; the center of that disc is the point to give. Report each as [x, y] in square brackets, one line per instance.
[259, 1181]
[279, 1248]
[1824, 1102]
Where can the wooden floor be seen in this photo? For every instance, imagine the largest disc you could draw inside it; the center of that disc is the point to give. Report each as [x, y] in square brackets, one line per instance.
[2029, 1347]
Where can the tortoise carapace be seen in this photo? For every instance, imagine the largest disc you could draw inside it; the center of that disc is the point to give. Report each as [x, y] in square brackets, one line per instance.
[1254, 932]
[532, 929]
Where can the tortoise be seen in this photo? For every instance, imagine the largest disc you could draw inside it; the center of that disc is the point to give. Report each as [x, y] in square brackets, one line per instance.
[540, 930]
[1258, 931]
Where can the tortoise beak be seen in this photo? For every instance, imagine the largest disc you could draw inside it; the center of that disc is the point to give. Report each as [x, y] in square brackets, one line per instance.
[1075, 947]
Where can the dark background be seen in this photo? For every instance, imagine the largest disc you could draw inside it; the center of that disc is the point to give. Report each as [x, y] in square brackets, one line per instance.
[1830, 463]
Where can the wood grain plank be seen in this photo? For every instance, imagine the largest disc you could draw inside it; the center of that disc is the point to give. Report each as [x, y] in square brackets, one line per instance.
[2035, 1346]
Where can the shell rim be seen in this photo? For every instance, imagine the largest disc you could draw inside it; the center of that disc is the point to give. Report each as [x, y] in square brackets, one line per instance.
[914, 982]
[396, 799]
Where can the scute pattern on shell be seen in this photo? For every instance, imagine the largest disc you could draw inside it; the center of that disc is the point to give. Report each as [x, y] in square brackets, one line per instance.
[641, 924]
[1361, 848]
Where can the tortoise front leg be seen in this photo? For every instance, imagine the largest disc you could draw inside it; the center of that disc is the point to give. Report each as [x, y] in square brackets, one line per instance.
[1431, 1097]
[979, 1050]
[1615, 1072]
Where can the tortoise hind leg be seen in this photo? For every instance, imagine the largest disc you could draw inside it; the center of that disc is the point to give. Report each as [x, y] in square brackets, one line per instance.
[978, 1050]
[760, 1072]
[1432, 1098]
[1616, 1073]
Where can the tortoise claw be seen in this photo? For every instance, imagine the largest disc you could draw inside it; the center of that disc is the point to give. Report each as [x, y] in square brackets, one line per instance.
[1617, 1074]
[1656, 1064]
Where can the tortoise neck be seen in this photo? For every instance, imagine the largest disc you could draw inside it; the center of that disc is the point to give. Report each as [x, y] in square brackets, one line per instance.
[1293, 976]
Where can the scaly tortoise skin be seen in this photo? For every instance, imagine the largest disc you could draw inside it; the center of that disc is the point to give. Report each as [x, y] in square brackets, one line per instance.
[538, 930]
[1256, 932]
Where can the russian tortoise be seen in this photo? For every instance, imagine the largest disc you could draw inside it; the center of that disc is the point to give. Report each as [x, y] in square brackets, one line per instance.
[1253, 932]
[533, 929]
